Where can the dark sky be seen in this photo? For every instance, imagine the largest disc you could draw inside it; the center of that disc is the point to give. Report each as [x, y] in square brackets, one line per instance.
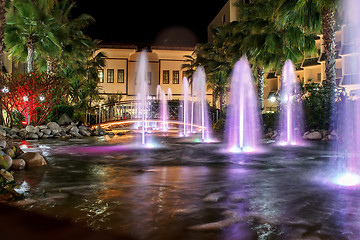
[153, 21]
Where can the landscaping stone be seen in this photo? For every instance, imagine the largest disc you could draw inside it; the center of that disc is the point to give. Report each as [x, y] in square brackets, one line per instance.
[53, 126]
[46, 131]
[84, 132]
[30, 129]
[9, 152]
[18, 164]
[6, 175]
[64, 120]
[313, 135]
[3, 133]
[33, 159]
[2, 144]
[5, 161]
[32, 136]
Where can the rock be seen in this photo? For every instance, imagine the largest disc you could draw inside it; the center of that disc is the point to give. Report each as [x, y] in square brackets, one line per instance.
[2, 144]
[18, 164]
[5, 161]
[33, 136]
[74, 129]
[53, 126]
[110, 133]
[6, 175]
[22, 133]
[75, 134]
[313, 136]
[64, 120]
[2, 133]
[45, 136]
[40, 134]
[9, 152]
[46, 131]
[33, 159]
[41, 127]
[84, 132]
[17, 150]
[55, 131]
[84, 127]
[30, 129]
[332, 137]
[13, 131]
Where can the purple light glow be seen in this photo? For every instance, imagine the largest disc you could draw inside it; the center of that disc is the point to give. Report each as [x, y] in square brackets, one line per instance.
[242, 123]
[291, 114]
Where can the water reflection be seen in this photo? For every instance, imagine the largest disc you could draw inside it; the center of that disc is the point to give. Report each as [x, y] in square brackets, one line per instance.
[193, 191]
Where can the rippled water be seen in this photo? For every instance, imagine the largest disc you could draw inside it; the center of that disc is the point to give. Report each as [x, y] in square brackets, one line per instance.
[184, 190]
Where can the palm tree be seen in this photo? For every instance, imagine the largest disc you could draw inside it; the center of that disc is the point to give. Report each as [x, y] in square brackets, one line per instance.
[268, 44]
[218, 82]
[30, 30]
[2, 30]
[315, 16]
[190, 66]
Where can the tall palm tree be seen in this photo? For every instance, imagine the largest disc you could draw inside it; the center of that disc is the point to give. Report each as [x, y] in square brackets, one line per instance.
[268, 44]
[317, 16]
[2, 30]
[30, 30]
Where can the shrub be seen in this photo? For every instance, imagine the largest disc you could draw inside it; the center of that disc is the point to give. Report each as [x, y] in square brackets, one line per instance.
[59, 110]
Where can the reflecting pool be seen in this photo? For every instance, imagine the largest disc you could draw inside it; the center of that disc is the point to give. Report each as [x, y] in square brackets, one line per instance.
[186, 190]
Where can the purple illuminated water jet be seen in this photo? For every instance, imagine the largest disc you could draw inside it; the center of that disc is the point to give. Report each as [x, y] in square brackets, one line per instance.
[199, 109]
[243, 121]
[185, 107]
[345, 166]
[291, 112]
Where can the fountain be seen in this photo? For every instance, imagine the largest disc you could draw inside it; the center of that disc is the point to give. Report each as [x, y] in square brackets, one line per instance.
[291, 112]
[345, 166]
[242, 123]
[142, 89]
[185, 107]
[199, 109]
[164, 111]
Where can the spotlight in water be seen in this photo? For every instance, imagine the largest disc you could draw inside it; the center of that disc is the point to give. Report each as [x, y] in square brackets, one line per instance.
[347, 180]
[272, 99]
[245, 149]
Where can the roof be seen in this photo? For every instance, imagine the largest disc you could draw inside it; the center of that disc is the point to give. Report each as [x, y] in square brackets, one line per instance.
[310, 62]
[140, 46]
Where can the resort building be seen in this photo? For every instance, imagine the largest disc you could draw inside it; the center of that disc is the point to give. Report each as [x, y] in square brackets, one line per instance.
[118, 75]
[310, 70]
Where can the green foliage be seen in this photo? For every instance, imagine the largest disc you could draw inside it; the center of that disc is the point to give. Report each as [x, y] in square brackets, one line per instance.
[316, 102]
[59, 110]
[7, 191]
[219, 125]
[270, 120]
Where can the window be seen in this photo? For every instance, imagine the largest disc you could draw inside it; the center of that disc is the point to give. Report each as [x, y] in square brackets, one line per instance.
[175, 77]
[319, 76]
[101, 75]
[120, 76]
[110, 75]
[223, 18]
[166, 77]
[148, 78]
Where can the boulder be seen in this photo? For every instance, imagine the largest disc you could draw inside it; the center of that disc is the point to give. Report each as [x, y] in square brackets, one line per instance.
[32, 136]
[55, 131]
[332, 137]
[5, 161]
[40, 134]
[22, 133]
[64, 120]
[2, 144]
[30, 129]
[33, 159]
[46, 131]
[53, 126]
[13, 131]
[313, 135]
[18, 164]
[2, 133]
[9, 152]
[6, 175]
[84, 132]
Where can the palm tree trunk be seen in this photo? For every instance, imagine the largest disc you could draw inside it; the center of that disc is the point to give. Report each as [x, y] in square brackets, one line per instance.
[260, 86]
[2, 30]
[328, 27]
[31, 54]
[222, 101]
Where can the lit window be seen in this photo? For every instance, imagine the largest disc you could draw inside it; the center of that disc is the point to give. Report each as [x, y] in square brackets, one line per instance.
[175, 77]
[166, 77]
[110, 75]
[120, 76]
[101, 75]
[149, 78]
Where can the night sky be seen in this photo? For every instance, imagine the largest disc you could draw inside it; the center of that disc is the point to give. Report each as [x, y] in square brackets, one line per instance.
[181, 23]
